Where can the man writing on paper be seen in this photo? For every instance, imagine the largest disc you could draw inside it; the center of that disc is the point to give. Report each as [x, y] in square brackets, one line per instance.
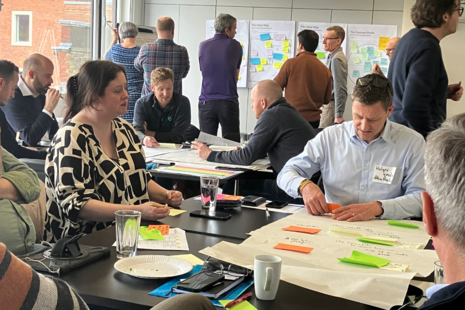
[281, 132]
[417, 70]
[371, 166]
[337, 64]
[444, 210]
[308, 82]
[163, 115]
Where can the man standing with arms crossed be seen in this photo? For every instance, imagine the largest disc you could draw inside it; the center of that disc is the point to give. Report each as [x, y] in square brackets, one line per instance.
[337, 63]
[220, 59]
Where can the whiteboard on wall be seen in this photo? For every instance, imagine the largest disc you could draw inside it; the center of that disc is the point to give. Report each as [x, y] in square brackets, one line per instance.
[320, 28]
[366, 45]
[271, 43]
[242, 36]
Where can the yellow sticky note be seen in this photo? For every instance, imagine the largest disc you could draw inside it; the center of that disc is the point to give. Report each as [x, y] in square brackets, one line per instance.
[277, 65]
[239, 77]
[174, 212]
[194, 260]
[284, 57]
[377, 53]
[268, 44]
[259, 68]
[263, 61]
[286, 43]
[245, 305]
[285, 49]
[382, 42]
[241, 43]
[356, 60]
[243, 57]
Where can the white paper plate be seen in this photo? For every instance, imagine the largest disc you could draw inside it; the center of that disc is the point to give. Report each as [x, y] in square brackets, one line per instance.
[153, 266]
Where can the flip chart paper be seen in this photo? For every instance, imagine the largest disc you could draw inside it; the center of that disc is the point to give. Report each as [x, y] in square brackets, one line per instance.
[279, 37]
[294, 248]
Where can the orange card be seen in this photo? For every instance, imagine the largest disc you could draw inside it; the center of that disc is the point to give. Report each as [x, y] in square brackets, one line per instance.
[231, 197]
[302, 229]
[164, 229]
[295, 248]
[333, 206]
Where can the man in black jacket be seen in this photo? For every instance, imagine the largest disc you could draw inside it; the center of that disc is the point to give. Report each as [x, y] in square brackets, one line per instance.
[164, 115]
[444, 210]
[281, 133]
[30, 112]
[8, 81]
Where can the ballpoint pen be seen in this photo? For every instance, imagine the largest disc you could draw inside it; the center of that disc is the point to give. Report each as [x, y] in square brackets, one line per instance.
[238, 300]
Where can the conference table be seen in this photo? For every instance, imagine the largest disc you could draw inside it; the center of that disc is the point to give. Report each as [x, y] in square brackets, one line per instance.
[102, 287]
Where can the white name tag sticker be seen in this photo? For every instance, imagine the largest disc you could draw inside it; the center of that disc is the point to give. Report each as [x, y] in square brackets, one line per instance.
[383, 174]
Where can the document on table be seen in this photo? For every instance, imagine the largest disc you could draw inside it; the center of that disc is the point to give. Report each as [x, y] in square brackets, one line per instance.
[150, 152]
[175, 241]
[211, 139]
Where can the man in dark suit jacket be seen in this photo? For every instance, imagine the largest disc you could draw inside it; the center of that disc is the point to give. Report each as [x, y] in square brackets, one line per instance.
[30, 112]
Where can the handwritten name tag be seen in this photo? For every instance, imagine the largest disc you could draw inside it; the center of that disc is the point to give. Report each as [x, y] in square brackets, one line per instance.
[383, 174]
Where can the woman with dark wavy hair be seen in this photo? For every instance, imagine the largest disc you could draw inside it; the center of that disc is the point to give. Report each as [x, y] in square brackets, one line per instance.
[96, 164]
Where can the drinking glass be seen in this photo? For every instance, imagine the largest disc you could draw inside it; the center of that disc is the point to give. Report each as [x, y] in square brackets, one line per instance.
[208, 190]
[127, 232]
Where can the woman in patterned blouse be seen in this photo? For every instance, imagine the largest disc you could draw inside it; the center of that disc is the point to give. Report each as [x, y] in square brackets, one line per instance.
[96, 164]
[124, 54]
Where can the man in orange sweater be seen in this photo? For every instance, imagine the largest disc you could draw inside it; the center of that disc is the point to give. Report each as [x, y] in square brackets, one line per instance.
[306, 80]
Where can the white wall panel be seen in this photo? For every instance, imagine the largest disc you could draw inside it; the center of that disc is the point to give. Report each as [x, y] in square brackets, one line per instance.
[237, 12]
[257, 3]
[352, 17]
[391, 5]
[334, 4]
[388, 18]
[154, 11]
[271, 14]
[302, 15]
[183, 2]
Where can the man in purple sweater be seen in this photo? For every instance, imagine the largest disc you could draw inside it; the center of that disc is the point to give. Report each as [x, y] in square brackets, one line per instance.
[220, 59]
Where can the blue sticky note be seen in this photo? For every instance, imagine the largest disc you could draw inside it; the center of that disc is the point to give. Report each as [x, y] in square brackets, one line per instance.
[375, 62]
[265, 36]
[277, 56]
[370, 49]
[355, 74]
[367, 66]
[384, 69]
[384, 62]
[371, 56]
[254, 61]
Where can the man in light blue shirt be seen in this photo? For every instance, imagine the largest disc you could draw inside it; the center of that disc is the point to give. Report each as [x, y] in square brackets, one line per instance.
[371, 166]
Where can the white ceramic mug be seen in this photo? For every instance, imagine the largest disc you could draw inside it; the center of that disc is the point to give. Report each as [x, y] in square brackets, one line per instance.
[267, 273]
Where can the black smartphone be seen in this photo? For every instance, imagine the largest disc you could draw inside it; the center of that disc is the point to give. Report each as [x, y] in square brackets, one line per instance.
[228, 204]
[199, 282]
[215, 216]
[277, 204]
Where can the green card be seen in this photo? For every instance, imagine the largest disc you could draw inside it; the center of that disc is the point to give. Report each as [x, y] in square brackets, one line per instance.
[153, 234]
[402, 224]
[360, 258]
[367, 240]
[320, 55]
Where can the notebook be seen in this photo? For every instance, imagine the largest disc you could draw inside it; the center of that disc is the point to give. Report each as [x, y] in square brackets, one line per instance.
[216, 291]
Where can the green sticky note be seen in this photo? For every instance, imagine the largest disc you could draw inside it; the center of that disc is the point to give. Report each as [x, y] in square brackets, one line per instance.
[320, 55]
[365, 56]
[245, 305]
[363, 50]
[377, 53]
[353, 50]
[402, 224]
[153, 234]
[367, 240]
[356, 60]
[360, 258]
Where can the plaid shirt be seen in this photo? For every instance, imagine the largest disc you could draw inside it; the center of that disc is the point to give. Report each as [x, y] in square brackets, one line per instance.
[163, 53]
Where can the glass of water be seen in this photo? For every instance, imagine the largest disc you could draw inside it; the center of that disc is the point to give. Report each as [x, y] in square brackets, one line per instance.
[208, 190]
[439, 273]
[127, 232]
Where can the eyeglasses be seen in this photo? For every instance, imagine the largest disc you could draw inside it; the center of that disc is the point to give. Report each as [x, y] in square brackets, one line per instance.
[376, 81]
[330, 38]
[460, 9]
[211, 266]
[389, 50]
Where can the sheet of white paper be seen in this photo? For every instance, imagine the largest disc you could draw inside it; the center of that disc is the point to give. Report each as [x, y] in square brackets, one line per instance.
[178, 172]
[211, 139]
[151, 152]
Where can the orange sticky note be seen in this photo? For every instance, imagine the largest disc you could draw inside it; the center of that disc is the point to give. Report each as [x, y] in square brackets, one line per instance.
[294, 248]
[333, 206]
[302, 229]
[164, 229]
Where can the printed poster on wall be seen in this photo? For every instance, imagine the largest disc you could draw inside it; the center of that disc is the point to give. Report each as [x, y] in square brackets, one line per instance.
[242, 36]
[320, 28]
[271, 44]
[366, 46]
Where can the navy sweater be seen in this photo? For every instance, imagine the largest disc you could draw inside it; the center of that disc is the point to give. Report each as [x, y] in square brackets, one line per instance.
[9, 142]
[420, 81]
[24, 114]
[448, 298]
[281, 133]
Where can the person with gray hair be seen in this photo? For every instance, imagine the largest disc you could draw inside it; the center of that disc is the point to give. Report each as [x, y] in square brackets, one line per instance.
[444, 210]
[124, 54]
[333, 113]
[220, 59]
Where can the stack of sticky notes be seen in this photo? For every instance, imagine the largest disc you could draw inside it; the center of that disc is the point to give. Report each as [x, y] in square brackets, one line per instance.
[164, 229]
[360, 258]
[152, 234]
[300, 229]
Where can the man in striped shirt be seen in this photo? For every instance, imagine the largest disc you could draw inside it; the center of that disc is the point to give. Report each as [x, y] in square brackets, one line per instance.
[163, 53]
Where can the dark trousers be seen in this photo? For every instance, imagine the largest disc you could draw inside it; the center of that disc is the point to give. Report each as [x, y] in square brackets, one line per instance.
[223, 112]
[315, 124]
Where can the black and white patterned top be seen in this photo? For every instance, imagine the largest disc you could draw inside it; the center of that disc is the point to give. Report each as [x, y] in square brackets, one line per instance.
[77, 170]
